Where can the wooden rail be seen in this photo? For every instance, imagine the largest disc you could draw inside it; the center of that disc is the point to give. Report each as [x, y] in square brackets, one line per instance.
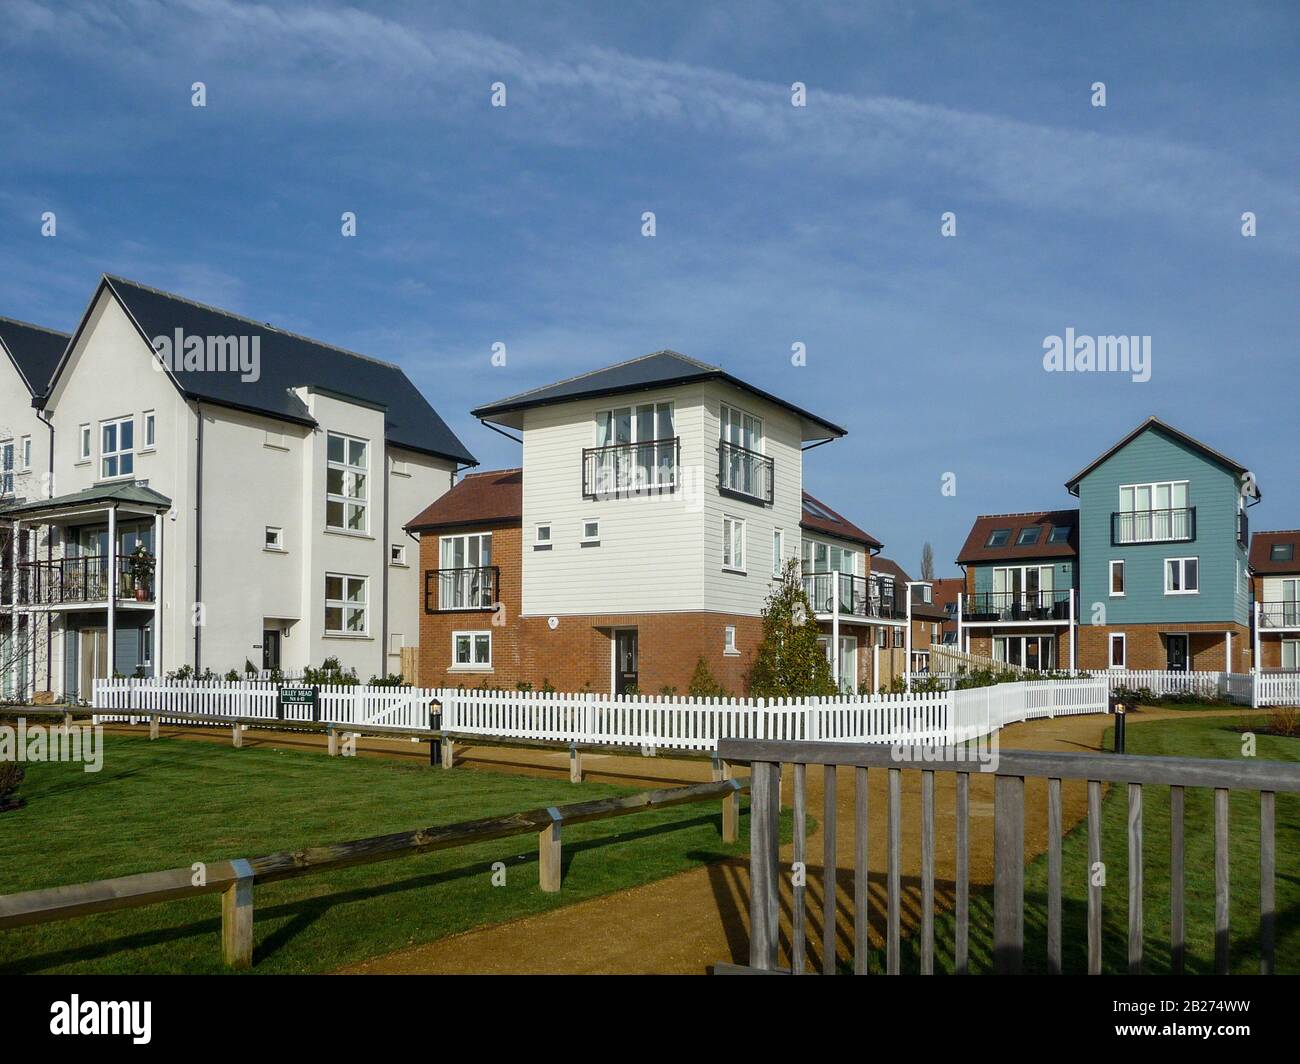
[234, 880]
[1012, 769]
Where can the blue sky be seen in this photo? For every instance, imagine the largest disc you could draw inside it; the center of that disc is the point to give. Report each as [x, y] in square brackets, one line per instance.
[776, 225]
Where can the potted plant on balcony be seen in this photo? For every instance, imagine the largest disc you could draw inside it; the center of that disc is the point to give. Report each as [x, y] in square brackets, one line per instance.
[139, 566]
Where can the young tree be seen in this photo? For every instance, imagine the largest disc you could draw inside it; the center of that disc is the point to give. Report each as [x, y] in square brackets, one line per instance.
[927, 561]
[789, 662]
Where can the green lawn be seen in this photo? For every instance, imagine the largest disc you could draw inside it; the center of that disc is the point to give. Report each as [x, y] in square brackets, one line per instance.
[170, 803]
[1212, 737]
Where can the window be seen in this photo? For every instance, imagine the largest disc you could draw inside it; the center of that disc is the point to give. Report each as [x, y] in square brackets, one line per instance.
[346, 475]
[1281, 552]
[345, 604]
[150, 430]
[7, 467]
[1028, 537]
[898, 637]
[636, 450]
[591, 533]
[274, 538]
[882, 637]
[83, 445]
[1060, 534]
[117, 448]
[819, 557]
[1291, 653]
[1117, 578]
[542, 538]
[729, 640]
[743, 467]
[146, 646]
[1181, 576]
[466, 580]
[1153, 513]
[733, 544]
[25, 454]
[471, 650]
[778, 549]
[397, 554]
[1118, 650]
[999, 537]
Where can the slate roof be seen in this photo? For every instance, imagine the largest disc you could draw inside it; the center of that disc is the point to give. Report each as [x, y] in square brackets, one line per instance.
[101, 494]
[830, 523]
[35, 351]
[656, 370]
[1261, 549]
[289, 361]
[1153, 422]
[495, 497]
[976, 550]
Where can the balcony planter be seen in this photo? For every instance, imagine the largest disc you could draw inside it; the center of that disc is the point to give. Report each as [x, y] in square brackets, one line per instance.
[139, 568]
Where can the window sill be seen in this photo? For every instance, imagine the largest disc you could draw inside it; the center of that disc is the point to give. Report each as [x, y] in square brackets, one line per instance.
[1180, 594]
[147, 450]
[470, 668]
[348, 534]
[274, 550]
[399, 565]
[1118, 594]
[736, 572]
[731, 653]
[348, 635]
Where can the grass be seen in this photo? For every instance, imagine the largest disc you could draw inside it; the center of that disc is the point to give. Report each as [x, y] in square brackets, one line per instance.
[170, 803]
[1214, 737]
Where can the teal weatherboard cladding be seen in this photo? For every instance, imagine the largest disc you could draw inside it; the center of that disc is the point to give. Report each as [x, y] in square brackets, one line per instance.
[1214, 491]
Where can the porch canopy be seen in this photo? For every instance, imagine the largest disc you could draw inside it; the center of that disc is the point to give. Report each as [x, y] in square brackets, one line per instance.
[126, 498]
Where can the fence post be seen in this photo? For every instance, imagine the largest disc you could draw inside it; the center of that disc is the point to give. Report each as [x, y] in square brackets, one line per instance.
[237, 919]
[722, 770]
[332, 739]
[575, 764]
[153, 726]
[548, 853]
[448, 754]
[1008, 874]
[236, 736]
[764, 840]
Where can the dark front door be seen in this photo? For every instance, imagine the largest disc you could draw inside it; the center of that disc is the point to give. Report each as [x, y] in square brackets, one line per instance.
[270, 650]
[1176, 652]
[625, 661]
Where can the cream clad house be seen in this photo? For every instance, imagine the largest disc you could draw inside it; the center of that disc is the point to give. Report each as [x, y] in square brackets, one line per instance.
[223, 493]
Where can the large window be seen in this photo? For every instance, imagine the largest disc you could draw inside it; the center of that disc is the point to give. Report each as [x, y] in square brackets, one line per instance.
[346, 600]
[117, 448]
[819, 557]
[743, 467]
[347, 478]
[1153, 513]
[733, 544]
[465, 577]
[471, 650]
[636, 450]
[1291, 653]
[1182, 576]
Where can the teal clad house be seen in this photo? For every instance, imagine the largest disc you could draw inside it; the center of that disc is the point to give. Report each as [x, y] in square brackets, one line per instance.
[1164, 580]
[1019, 602]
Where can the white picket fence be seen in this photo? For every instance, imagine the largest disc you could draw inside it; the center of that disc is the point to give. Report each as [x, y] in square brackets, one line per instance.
[667, 722]
[1277, 688]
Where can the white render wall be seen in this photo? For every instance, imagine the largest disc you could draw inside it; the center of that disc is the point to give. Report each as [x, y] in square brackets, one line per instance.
[18, 419]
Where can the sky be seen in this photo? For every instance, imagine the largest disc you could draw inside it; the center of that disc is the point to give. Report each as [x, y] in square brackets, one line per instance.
[775, 225]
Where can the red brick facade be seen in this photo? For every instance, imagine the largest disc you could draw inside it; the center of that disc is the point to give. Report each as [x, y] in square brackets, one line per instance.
[1146, 647]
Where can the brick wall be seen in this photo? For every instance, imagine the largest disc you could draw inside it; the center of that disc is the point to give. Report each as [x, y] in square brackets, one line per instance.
[1146, 646]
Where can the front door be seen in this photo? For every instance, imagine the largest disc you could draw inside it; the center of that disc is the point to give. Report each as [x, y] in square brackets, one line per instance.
[94, 660]
[1176, 652]
[270, 649]
[625, 661]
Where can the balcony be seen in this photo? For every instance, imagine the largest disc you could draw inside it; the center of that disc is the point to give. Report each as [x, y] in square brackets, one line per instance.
[1153, 526]
[745, 474]
[629, 470]
[993, 607]
[84, 579]
[1279, 613]
[858, 596]
[446, 590]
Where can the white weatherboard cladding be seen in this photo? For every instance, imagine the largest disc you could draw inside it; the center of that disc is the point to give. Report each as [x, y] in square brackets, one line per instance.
[18, 419]
[659, 553]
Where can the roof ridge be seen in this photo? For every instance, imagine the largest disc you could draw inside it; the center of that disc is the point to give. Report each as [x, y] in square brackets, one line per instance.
[33, 325]
[606, 369]
[1276, 532]
[492, 472]
[253, 321]
[1030, 513]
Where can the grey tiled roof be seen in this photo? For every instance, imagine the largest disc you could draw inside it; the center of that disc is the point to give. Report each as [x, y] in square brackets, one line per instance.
[34, 349]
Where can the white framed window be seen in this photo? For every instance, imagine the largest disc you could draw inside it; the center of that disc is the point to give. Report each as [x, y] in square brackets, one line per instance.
[542, 537]
[778, 550]
[25, 454]
[1118, 650]
[636, 450]
[1291, 653]
[346, 599]
[1117, 585]
[729, 640]
[1182, 576]
[274, 539]
[347, 487]
[117, 448]
[466, 580]
[84, 441]
[742, 466]
[150, 430]
[591, 533]
[882, 637]
[397, 554]
[733, 544]
[146, 646]
[1152, 513]
[471, 650]
[7, 467]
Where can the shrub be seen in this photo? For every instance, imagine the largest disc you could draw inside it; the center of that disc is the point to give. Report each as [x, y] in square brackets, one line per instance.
[789, 661]
[393, 679]
[1284, 720]
[703, 684]
[11, 776]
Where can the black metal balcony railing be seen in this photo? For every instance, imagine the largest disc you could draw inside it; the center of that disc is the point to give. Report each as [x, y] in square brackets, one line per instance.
[745, 474]
[1153, 526]
[859, 596]
[1279, 613]
[473, 588]
[623, 470]
[992, 606]
[84, 578]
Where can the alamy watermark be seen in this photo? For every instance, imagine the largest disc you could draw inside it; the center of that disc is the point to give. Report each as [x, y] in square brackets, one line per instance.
[38, 743]
[210, 354]
[1072, 353]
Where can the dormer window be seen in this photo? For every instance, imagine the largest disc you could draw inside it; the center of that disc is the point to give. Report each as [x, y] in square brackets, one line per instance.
[1060, 534]
[999, 537]
[1028, 536]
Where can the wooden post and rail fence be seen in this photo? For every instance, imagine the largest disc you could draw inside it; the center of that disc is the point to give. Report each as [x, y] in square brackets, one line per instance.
[1012, 768]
